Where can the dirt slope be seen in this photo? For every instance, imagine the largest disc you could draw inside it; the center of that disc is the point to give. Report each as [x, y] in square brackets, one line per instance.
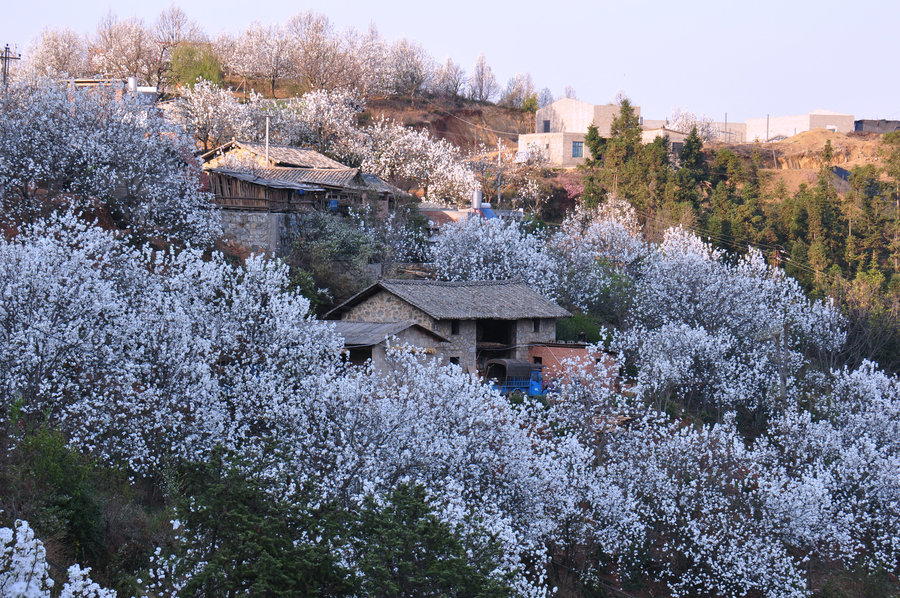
[797, 160]
[461, 122]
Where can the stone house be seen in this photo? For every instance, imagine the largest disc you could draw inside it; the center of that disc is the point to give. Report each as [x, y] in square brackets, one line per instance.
[481, 320]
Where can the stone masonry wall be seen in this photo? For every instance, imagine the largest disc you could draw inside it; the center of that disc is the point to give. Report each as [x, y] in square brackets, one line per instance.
[258, 232]
[387, 307]
[462, 345]
[526, 336]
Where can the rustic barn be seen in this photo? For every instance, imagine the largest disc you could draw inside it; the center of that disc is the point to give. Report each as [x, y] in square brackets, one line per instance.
[234, 189]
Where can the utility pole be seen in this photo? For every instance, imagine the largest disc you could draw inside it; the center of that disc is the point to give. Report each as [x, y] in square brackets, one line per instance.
[6, 57]
[267, 141]
[499, 168]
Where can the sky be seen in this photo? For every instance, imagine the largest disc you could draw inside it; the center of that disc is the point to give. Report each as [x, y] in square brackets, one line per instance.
[746, 59]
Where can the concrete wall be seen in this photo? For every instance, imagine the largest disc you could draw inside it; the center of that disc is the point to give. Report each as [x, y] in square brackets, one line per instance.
[556, 146]
[604, 115]
[574, 116]
[842, 123]
[258, 232]
[649, 135]
[565, 116]
[788, 126]
[731, 132]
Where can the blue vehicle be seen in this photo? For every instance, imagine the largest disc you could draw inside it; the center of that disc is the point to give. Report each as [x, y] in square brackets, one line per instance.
[511, 375]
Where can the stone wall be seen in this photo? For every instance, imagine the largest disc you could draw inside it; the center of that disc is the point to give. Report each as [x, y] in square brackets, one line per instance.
[414, 338]
[527, 336]
[387, 307]
[258, 232]
[876, 126]
[461, 346]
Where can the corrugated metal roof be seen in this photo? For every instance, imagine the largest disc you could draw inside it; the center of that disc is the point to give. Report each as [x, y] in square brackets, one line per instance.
[252, 177]
[365, 334]
[472, 300]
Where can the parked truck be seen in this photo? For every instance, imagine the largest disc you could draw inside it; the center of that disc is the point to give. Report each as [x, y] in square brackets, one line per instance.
[511, 375]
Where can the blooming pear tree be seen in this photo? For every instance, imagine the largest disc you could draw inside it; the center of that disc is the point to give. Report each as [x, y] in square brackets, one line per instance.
[751, 328]
[599, 251]
[414, 159]
[64, 147]
[25, 572]
[481, 249]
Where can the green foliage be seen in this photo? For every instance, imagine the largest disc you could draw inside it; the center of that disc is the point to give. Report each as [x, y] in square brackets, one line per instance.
[333, 253]
[580, 327]
[240, 535]
[531, 103]
[240, 538]
[594, 191]
[62, 485]
[620, 165]
[191, 62]
[405, 550]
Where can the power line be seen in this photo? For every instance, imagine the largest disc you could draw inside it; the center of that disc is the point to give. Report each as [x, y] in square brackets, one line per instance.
[470, 123]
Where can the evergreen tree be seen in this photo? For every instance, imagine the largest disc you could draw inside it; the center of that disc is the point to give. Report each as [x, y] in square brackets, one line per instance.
[594, 190]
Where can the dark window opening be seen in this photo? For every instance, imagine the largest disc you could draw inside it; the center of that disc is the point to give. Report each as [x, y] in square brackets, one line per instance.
[454, 326]
[546, 126]
[454, 360]
[577, 149]
[536, 325]
[537, 360]
[358, 355]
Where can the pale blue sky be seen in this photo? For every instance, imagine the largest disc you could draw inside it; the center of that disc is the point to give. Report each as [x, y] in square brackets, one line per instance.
[748, 59]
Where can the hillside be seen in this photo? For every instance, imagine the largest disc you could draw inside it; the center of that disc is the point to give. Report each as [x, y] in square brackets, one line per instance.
[464, 123]
[797, 160]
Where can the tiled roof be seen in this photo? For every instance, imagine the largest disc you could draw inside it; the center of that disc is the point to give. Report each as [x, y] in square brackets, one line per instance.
[365, 334]
[292, 156]
[286, 155]
[473, 300]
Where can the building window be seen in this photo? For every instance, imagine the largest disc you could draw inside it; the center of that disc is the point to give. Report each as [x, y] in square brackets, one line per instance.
[577, 149]
[454, 326]
[537, 360]
[536, 325]
[454, 360]
[546, 126]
